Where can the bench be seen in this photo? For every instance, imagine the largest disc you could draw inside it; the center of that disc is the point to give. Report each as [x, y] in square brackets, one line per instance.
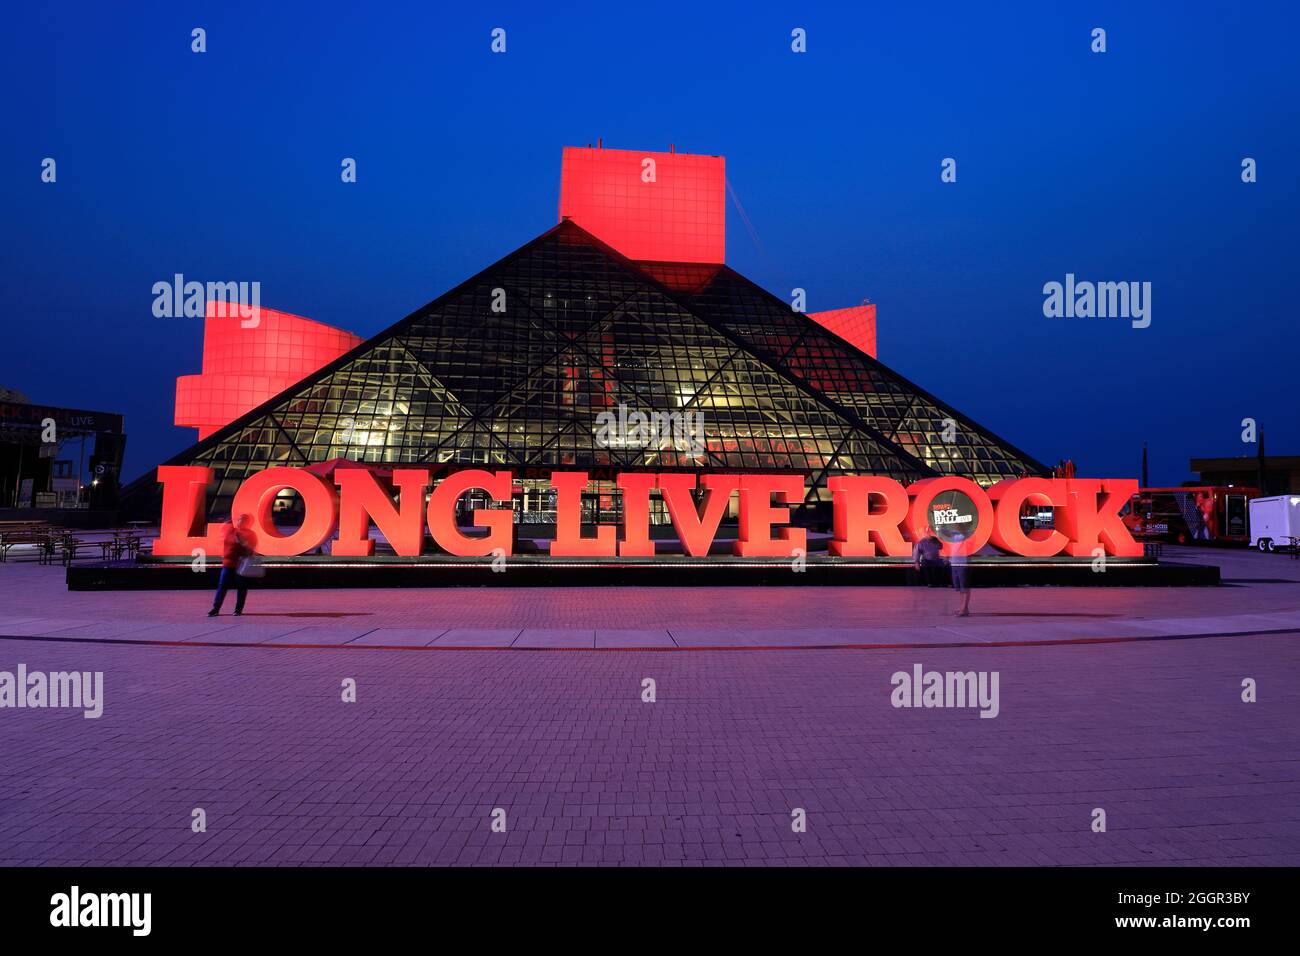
[68, 546]
[52, 543]
[12, 536]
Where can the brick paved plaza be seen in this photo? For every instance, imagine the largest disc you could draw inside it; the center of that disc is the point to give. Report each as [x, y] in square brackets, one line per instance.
[1148, 725]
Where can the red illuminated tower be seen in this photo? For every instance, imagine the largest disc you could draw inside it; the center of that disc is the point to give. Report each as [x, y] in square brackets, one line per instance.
[670, 207]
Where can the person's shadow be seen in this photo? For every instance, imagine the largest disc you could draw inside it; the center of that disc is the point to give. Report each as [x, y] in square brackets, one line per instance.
[307, 613]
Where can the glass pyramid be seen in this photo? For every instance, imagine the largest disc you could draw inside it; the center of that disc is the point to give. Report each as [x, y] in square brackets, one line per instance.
[578, 331]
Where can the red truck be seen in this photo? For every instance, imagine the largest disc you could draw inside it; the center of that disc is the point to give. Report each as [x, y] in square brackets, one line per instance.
[1199, 514]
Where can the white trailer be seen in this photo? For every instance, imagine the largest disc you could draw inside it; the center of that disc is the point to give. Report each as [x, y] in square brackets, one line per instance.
[1275, 522]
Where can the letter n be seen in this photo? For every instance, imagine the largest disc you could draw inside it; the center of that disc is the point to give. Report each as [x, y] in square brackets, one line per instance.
[362, 500]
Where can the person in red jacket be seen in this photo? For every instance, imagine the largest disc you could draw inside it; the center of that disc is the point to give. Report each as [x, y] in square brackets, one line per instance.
[239, 544]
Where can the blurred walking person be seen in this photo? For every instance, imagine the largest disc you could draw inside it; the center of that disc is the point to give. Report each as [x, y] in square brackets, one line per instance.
[960, 564]
[928, 562]
[237, 564]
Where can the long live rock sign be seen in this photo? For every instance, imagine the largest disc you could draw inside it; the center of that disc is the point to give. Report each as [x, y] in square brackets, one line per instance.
[963, 515]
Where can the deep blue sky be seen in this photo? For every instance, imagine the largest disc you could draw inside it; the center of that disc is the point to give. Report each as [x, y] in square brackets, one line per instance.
[1121, 166]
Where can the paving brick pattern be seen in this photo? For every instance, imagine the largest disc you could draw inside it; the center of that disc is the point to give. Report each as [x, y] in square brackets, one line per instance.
[1155, 733]
[289, 774]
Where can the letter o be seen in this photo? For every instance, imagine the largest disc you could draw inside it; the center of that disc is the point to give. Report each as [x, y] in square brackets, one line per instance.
[256, 496]
[924, 492]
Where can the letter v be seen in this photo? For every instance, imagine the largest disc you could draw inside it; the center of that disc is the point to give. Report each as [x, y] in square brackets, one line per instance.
[697, 531]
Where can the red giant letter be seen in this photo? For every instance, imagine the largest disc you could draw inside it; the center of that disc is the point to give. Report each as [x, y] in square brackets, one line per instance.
[1007, 532]
[919, 520]
[499, 521]
[362, 500]
[1091, 524]
[858, 529]
[569, 542]
[636, 541]
[184, 501]
[697, 529]
[320, 509]
[758, 514]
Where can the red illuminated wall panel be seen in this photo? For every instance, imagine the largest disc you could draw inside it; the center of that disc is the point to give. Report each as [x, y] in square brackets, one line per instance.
[243, 367]
[855, 325]
[680, 217]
